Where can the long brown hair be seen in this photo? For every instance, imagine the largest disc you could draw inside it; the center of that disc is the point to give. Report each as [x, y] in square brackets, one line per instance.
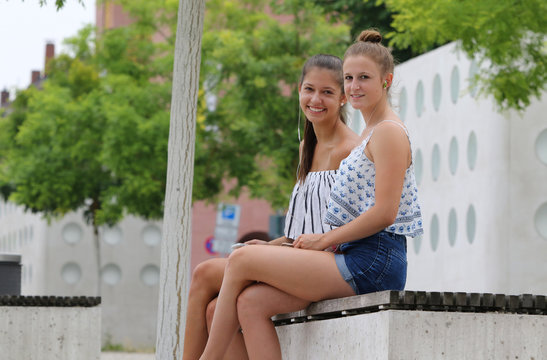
[321, 61]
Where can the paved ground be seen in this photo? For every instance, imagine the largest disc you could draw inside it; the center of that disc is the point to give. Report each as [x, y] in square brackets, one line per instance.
[126, 356]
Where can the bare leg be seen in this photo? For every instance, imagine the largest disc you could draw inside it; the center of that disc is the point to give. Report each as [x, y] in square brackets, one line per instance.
[308, 274]
[236, 350]
[205, 285]
[255, 307]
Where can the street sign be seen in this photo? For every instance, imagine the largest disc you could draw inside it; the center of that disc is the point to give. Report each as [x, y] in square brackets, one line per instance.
[226, 229]
[228, 215]
[209, 245]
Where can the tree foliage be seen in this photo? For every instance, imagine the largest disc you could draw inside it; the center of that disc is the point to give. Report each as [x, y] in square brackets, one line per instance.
[100, 123]
[365, 14]
[507, 36]
[94, 136]
[251, 62]
[58, 3]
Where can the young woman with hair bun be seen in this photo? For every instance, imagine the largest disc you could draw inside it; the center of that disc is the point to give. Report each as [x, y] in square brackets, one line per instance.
[326, 141]
[373, 206]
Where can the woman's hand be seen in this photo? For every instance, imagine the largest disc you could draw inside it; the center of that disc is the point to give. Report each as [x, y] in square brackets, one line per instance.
[311, 242]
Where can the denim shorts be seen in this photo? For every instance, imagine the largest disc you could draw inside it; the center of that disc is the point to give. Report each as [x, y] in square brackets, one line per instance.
[375, 263]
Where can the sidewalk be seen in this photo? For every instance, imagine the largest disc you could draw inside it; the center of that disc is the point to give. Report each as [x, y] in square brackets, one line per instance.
[127, 356]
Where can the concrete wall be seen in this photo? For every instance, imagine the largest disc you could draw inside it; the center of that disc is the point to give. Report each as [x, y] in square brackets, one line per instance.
[25, 233]
[59, 259]
[527, 260]
[50, 333]
[399, 334]
[130, 253]
[469, 261]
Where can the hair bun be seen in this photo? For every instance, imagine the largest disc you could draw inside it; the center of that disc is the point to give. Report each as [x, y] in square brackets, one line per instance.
[370, 35]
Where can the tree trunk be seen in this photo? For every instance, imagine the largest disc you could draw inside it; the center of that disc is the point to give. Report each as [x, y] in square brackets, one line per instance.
[175, 251]
[97, 255]
[92, 212]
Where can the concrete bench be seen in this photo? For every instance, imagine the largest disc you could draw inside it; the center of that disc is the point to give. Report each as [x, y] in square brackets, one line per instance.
[417, 325]
[50, 328]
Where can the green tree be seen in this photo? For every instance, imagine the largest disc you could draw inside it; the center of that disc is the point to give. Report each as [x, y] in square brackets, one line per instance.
[364, 14]
[104, 121]
[508, 37]
[113, 95]
[94, 137]
[251, 62]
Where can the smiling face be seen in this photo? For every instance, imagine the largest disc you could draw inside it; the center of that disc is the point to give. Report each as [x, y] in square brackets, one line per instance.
[320, 95]
[364, 82]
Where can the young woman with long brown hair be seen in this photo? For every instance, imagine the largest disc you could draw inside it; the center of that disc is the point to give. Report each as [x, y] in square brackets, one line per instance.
[327, 140]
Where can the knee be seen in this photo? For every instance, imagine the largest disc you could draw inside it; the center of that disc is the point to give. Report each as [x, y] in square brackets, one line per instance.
[210, 312]
[202, 278]
[201, 273]
[238, 259]
[249, 307]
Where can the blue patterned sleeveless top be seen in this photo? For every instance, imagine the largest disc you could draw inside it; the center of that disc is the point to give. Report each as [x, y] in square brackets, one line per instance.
[353, 193]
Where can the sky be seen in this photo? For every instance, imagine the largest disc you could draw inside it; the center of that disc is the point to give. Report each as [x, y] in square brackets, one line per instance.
[25, 28]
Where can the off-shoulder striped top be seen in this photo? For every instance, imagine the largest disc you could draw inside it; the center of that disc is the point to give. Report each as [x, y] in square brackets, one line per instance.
[308, 205]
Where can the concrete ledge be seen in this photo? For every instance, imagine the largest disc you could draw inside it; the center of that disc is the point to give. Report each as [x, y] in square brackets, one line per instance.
[50, 333]
[417, 325]
[404, 334]
[417, 300]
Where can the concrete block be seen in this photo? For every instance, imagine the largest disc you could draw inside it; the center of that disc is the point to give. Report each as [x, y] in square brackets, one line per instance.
[50, 333]
[402, 334]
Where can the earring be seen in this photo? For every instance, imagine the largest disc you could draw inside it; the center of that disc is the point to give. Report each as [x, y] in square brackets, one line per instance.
[385, 84]
[341, 104]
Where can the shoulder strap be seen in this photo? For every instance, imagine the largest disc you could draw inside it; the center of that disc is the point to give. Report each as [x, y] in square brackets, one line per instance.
[368, 137]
